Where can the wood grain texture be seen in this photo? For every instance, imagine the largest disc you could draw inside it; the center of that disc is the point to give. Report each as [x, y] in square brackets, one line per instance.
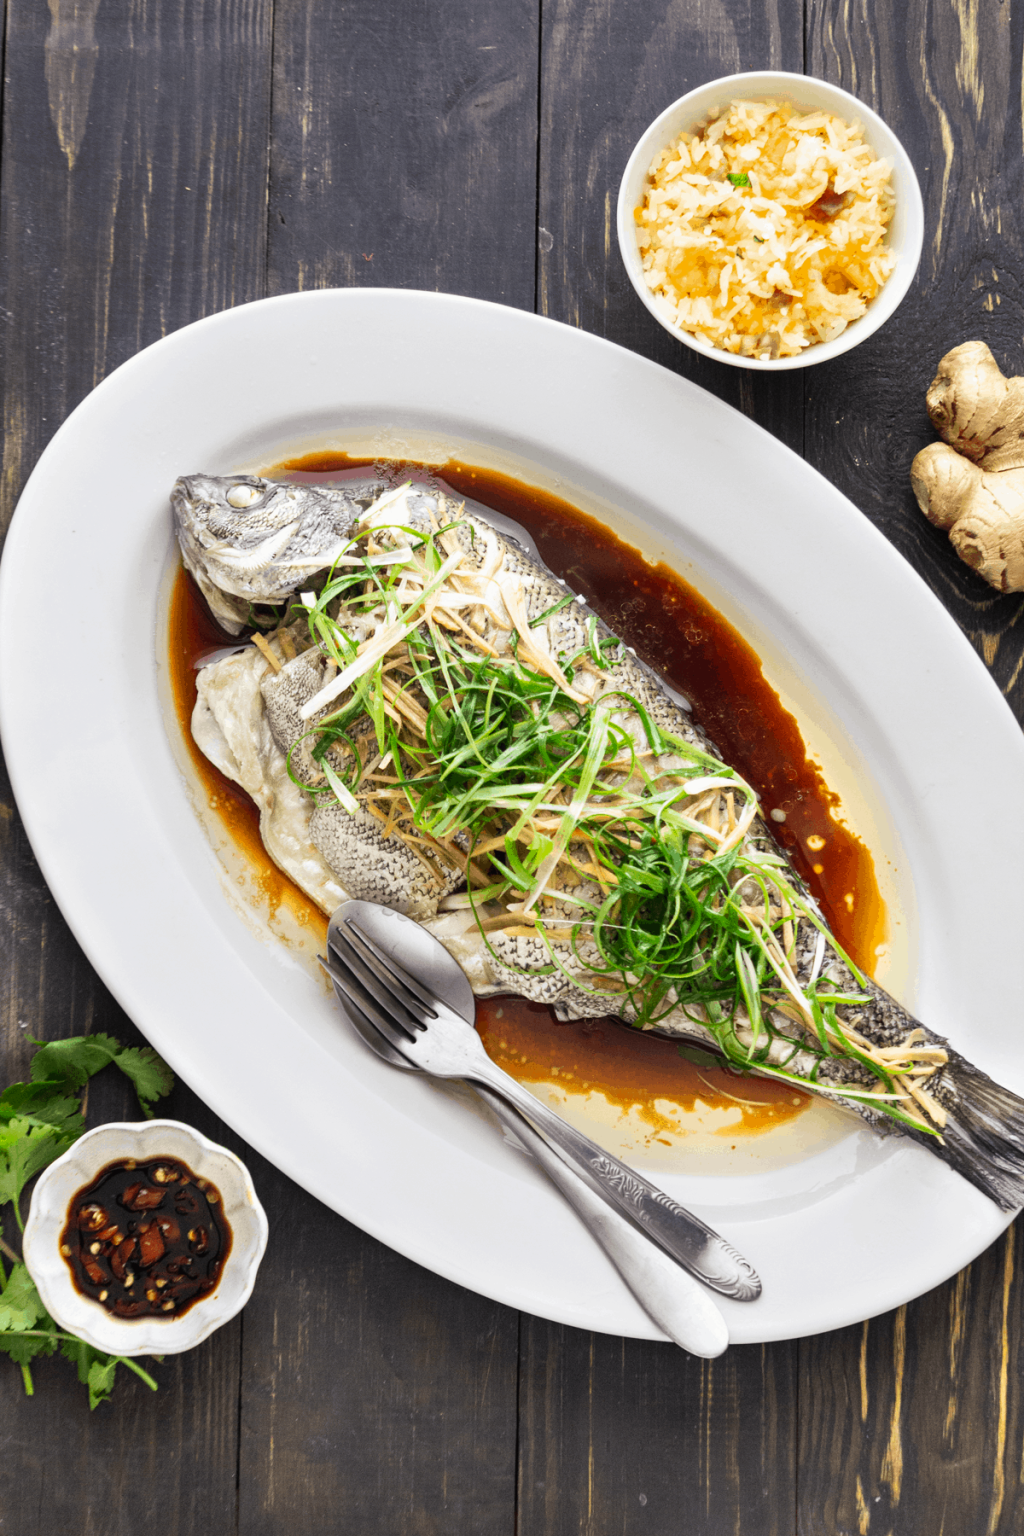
[375, 1395]
[147, 178]
[133, 193]
[621, 1436]
[405, 147]
[158, 218]
[912, 1423]
[609, 69]
[948, 78]
[143, 1460]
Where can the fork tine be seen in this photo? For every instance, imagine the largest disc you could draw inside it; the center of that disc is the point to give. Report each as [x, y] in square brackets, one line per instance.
[390, 1035]
[362, 955]
[392, 973]
[349, 957]
[394, 1029]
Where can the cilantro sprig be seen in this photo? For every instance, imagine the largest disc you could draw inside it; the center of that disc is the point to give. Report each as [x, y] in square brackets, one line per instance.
[39, 1121]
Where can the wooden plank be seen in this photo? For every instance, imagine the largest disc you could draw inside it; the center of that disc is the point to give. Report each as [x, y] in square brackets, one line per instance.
[404, 147]
[621, 1436]
[912, 1422]
[133, 200]
[608, 70]
[948, 81]
[133, 192]
[377, 1396]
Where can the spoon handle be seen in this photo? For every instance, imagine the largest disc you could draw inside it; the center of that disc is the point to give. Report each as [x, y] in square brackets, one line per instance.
[681, 1308]
[682, 1235]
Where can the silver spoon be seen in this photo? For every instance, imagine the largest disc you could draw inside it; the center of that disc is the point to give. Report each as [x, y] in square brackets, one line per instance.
[403, 999]
[679, 1306]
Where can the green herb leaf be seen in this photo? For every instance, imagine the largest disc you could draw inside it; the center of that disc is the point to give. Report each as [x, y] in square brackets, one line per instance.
[80, 1354]
[150, 1074]
[25, 1149]
[742, 180]
[38, 1121]
[68, 1064]
[95, 1370]
[73, 1061]
[101, 1379]
[23, 1348]
[42, 1104]
[20, 1304]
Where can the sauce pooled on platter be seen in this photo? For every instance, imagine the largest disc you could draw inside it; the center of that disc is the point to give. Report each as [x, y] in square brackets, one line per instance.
[689, 643]
[146, 1239]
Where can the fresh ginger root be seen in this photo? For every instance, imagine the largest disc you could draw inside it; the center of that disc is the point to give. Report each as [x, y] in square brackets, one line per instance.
[973, 483]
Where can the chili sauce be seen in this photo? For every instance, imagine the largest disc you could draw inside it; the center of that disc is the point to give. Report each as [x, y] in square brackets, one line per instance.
[146, 1239]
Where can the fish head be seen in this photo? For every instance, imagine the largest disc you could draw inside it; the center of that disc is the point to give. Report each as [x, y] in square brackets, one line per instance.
[249, 540]
[231, 510]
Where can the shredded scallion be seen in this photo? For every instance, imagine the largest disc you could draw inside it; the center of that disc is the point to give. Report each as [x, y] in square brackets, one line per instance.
[625, 848]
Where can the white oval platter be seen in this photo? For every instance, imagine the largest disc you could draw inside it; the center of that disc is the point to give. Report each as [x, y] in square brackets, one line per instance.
[883, 681]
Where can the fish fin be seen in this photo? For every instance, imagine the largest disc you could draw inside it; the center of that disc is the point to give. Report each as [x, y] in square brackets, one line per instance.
[983, 1138]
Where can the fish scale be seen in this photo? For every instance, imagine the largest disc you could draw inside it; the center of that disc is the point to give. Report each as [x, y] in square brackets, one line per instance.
[982, 1124]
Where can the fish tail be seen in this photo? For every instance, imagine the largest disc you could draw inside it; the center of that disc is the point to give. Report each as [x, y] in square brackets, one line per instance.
[983, 1138]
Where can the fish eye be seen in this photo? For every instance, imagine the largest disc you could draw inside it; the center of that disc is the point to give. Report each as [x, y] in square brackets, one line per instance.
[242, 496]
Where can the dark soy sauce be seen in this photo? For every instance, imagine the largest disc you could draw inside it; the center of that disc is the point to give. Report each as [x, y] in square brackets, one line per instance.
[677, 631]
[146, 1239]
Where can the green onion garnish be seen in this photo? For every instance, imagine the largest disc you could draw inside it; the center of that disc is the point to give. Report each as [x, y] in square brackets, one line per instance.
[628, 851]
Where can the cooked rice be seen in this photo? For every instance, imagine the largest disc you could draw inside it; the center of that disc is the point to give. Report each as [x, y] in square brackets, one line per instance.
[787, 257]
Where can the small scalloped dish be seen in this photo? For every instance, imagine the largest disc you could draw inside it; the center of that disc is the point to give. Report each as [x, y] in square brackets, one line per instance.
[144, 1141]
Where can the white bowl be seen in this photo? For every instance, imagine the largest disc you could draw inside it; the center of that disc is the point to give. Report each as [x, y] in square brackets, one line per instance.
[78, 1167]
[905, 234]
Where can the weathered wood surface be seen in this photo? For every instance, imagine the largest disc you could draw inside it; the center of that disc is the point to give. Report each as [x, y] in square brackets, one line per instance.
[132, 198]
[404, 147]
[162, 160]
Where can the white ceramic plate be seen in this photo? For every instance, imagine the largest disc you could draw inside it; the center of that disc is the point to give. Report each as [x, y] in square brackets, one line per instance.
[883, 683]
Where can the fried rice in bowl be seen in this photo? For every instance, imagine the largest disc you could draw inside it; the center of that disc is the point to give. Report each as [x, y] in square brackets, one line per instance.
[770, 221]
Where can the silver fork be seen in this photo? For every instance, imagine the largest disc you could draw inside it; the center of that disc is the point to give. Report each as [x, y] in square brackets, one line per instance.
[431, 1035]
[677, 1303]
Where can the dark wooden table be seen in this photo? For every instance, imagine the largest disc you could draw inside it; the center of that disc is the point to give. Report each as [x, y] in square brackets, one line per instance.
[162, 160]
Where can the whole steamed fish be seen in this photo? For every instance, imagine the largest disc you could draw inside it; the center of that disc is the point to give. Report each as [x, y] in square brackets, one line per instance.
[429, 719]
